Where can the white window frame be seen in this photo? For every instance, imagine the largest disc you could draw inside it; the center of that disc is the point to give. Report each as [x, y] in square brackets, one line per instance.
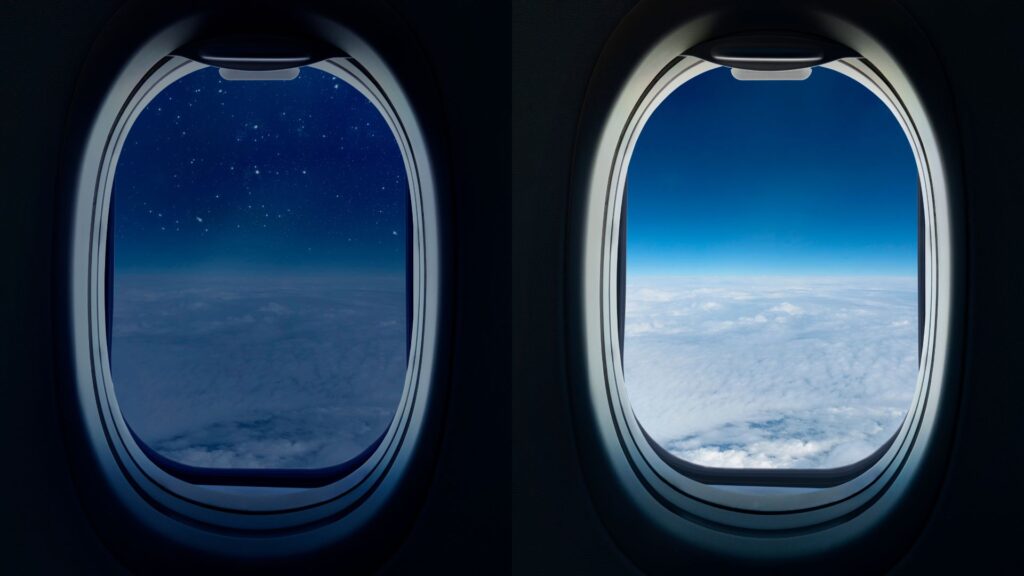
[212, 517]
[706, 515]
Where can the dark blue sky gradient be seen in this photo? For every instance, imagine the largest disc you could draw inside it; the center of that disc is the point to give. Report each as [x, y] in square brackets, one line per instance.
[234, 176]
[814, 177]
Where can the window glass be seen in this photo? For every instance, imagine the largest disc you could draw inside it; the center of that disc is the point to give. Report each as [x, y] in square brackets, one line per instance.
[771, 309]
[259, 271]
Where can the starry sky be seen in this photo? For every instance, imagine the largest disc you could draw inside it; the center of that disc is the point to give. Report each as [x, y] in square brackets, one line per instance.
[799, 177]
[259, 303]
[249, 175]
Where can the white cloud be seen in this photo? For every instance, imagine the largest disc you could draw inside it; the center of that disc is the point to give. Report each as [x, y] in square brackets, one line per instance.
[258, 372]
[792, 373]
[786, 308]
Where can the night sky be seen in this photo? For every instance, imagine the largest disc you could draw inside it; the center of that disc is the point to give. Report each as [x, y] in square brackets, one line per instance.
[250, 175]
[259, 291]
[809, 177]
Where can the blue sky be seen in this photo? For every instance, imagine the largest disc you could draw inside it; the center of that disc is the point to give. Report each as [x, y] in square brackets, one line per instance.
[260, 175]
[771, 305]
[772, 178]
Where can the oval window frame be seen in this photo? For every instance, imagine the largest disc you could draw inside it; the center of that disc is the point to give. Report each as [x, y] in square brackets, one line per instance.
[109, 464]
[643, 61]
[660, 471]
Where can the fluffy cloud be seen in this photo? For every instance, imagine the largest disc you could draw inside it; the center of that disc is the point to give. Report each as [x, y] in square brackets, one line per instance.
[771, 372]
[258, 372]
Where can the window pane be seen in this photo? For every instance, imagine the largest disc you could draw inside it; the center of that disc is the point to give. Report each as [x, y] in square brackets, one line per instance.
[259, 273]
[771, 315]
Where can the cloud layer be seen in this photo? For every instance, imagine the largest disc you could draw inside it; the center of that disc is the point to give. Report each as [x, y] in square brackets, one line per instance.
[771, 372]
[257, 372]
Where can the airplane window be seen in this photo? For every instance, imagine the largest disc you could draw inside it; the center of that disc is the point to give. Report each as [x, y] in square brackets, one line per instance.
[258, 271]
[771, 314]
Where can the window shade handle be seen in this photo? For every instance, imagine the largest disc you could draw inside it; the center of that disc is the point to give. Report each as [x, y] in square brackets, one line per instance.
[257, 53]
[770, 52]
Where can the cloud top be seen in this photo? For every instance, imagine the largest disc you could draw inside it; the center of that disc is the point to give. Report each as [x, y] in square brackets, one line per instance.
[791, 372]
[247, 371]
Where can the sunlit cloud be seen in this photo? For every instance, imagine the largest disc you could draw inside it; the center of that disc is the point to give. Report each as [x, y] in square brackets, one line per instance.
[783, 373]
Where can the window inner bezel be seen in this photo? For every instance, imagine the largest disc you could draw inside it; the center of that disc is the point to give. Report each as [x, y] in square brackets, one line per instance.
[773, 477]
[264, 477]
